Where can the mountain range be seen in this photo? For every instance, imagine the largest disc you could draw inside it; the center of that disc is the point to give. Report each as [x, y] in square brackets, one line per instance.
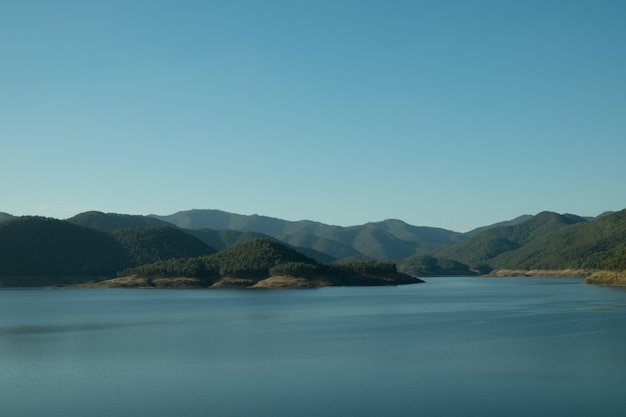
[543, 241]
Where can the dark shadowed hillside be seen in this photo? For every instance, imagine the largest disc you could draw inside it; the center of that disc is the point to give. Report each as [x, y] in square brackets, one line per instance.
[114, 221]
[5, 216]
[53, 249]
[424, 266]
[151, 244]
[44, 251]
[223, 239]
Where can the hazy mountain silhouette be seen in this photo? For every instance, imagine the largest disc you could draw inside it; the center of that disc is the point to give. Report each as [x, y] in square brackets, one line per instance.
[389, 239]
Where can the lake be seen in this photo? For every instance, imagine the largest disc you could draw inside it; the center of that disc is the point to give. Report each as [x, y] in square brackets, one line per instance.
[449, 347]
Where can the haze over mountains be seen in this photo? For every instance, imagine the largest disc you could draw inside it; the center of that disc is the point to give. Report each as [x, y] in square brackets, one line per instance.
[389, 239]
[102, 244]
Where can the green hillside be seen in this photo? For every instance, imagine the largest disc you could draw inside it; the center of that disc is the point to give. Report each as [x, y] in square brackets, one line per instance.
[114, 221]
[223, 239]
[425, 266]
[492, 243]
[45, 251]
[255, 257]
[42, 251]
[594, 244]
[615, 262]
[331, 248]
[152, 244]
[513, 222]
[547, 241]
[97, 246]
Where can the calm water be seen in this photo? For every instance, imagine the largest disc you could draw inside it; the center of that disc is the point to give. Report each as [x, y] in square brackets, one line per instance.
[450, 347]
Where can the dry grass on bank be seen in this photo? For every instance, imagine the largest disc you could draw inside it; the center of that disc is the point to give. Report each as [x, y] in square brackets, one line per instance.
[569, 273]
[285, 281]
[134, 281]
[614, 278]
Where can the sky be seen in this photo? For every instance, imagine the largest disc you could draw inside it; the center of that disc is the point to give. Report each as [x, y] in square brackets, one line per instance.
[452, 114]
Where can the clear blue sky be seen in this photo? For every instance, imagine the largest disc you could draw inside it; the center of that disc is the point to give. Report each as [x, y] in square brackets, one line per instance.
[453, 114]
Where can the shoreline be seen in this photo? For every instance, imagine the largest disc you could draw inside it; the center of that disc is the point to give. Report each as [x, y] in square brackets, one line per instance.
[546, 273]
[607, 278]
[273, 282]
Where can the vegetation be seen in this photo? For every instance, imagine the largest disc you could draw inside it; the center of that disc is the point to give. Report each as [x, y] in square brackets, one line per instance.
[114, 221]
[585, 245]
[548, 241]
[222, 239]
[38, 246]
[43, 251]
[5, 216]
[254, 258]
[251, 263]
[616, 278]
[152, 244]
[487, 246]
[616, 262]
[425, 265]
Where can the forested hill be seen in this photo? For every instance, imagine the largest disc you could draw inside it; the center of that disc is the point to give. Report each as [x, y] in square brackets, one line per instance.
[484, 247]
[5, 216]
[45, 251]
[99, 245]
[37, 251]
[547, 241]
[114, 221]
[262, 263]
[591, 244]
[517, 220]
[50, 249]
[152, 244]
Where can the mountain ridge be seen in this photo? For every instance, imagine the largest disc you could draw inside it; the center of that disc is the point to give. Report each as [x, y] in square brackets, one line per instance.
[95, 243]
[387, 239]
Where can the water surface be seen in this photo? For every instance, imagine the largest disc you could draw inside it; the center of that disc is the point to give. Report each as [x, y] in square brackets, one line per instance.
[450, 347]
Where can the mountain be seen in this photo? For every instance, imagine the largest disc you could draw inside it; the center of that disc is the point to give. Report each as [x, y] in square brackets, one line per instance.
[5, 216]
[222, 239]
[513, 222]
[590, 244]
[424, 265]
[386, 240]
[255, 258]
[221, 220]
[45, 251]
[547, 241]
[152, 244]
[486, 246]
[54, 251]
[217, 239]
[113, 221]
[96, 245]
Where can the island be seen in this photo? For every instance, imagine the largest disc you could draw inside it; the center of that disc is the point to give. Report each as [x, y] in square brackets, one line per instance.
[256, 263]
